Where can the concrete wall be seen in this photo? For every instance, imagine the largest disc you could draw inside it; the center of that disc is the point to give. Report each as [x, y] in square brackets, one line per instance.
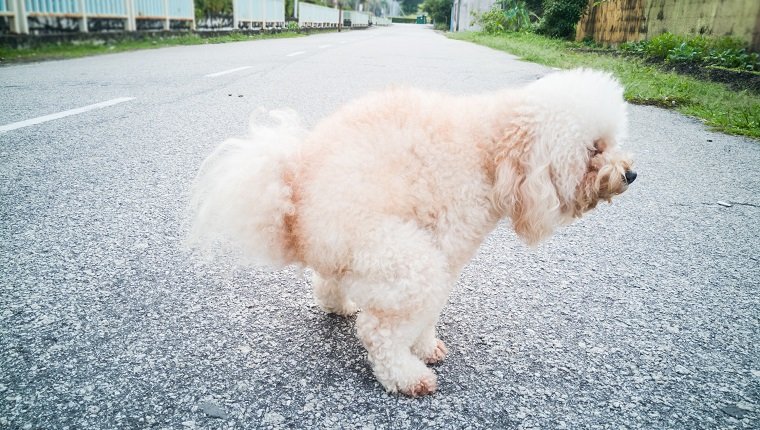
[617, 21]
[461, 13]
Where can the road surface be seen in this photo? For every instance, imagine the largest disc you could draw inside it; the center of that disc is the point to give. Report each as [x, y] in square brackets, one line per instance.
[645, 314]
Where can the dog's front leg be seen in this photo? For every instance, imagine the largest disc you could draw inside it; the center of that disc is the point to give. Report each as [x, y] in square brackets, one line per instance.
[399, 278]
[388, 338]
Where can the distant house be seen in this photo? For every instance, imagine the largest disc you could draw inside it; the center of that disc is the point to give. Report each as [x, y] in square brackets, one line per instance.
[461, 13]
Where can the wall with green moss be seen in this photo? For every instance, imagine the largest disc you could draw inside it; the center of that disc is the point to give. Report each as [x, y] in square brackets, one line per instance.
[616, 21]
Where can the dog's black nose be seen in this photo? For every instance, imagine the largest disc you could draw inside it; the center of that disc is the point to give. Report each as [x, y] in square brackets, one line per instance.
[630, 176]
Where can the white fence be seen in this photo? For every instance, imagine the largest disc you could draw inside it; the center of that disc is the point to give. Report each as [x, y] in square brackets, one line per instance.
[20, 11]
[311, 15]
[376, 20]
[357, 19]
[258, 13]
[161, 13]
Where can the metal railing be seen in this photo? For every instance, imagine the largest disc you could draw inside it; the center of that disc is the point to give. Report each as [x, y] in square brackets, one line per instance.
[258, 13]
[20, 11]
[311, 15]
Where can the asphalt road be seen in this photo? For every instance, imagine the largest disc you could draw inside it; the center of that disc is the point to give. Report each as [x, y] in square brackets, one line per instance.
[645, 314]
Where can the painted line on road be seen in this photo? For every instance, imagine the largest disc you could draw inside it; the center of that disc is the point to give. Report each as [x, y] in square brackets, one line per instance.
[51, 117]
[293, 54]
[324, 46]
[237, 69]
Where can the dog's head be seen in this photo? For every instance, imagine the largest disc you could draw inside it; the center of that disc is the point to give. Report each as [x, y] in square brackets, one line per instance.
[559, 156]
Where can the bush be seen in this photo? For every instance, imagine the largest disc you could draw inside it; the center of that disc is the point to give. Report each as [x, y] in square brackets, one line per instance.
[660, 46]
[561, 16]
[293, 26]
[492, 21]
[505, 16]
[208, 8]
[724, 52]
[733, 59]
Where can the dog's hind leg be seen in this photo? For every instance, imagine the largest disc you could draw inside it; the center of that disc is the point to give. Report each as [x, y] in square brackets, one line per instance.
[399, 279]
[331, 297]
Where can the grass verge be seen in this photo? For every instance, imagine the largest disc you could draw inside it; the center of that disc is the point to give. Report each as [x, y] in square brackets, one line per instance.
[57, 51]
[734, 112]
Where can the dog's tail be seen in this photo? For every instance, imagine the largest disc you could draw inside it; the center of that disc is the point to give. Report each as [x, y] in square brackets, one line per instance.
[241, 197]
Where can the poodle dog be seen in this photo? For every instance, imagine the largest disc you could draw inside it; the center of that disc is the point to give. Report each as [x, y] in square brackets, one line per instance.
[388, 198]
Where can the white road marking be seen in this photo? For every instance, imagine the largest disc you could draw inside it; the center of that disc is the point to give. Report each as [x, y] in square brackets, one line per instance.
[63, 114]
[213, 75]
[324, 46]
[293, 54]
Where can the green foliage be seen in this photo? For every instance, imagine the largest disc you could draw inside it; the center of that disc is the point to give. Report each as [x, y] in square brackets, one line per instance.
[656, 48]
[725, 52]
[410, 6]
[440, 26]
[289, 13]
[438, 10]
[205, 8]
[316, 2]
[535, 6]
[561, 16]
[505, 16]
[734, 59]
[492, 21]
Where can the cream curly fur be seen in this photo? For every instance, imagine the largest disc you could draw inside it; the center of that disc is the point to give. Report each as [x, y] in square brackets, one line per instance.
[388, 198]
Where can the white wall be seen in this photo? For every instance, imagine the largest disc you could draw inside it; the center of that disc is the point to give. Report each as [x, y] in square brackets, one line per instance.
[461, 13]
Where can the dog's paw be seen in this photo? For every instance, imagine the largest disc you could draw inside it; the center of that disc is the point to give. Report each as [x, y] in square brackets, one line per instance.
[431, 353]
[346, 309]
[424, 386]
[409, 377]
[437, 354]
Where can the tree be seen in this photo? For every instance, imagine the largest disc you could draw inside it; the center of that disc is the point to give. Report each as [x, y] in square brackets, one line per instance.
[206, 8]
[439, 10]
[410, 6]
[535, 6]
[561, 16]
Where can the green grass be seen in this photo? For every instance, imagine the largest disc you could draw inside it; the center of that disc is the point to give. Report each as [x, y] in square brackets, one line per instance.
[735, 112]
[92, 47]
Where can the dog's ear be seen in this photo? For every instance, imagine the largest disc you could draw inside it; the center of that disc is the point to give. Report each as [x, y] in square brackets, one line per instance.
[523, 186]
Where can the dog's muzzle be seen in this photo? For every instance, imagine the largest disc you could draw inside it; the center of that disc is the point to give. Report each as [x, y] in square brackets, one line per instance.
[630, 176]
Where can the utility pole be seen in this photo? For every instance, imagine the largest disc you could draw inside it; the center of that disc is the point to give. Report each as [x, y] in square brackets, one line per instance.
[340, 15]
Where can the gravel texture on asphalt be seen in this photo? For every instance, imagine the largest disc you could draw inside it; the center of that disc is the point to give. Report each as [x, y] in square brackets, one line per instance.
[645, 314]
